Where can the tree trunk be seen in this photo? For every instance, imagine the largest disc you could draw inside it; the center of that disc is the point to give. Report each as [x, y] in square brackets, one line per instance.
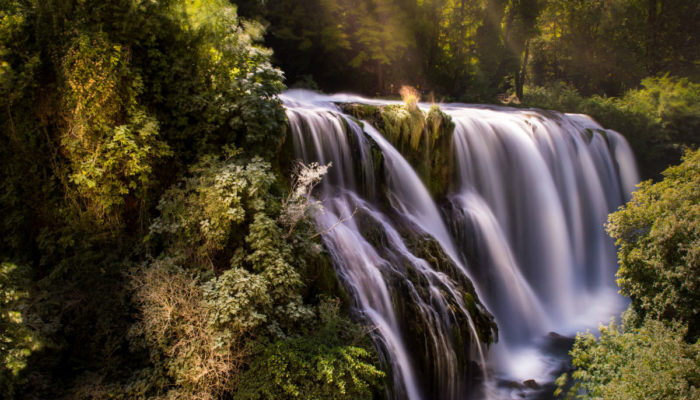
[520, 76]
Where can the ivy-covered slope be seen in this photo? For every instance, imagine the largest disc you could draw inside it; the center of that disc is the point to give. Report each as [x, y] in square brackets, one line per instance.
[146, 247]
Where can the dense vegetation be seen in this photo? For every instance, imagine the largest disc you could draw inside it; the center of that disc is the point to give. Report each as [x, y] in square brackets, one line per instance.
[656, 352]
[476, 50]
[153, 245]
[148, 246]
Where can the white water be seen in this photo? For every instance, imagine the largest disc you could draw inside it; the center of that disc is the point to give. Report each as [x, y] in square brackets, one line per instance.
[523, 221]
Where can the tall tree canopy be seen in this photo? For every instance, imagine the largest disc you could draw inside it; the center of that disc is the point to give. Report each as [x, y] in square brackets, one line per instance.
[467, 49]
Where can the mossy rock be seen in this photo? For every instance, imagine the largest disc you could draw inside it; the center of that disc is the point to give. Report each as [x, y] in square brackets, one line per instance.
[425, 140]
[362, 112]
[429, 249]
[439, 149]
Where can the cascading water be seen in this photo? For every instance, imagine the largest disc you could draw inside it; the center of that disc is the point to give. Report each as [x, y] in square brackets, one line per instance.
[522, 222]
[532, 193]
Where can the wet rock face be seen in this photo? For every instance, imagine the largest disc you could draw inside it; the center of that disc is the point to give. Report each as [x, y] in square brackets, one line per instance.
[423, 138]
[413, 290]
[532, 384]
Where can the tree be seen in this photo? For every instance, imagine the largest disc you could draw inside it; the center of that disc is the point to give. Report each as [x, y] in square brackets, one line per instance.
[520, 25]
[607, 47]
[656, 354]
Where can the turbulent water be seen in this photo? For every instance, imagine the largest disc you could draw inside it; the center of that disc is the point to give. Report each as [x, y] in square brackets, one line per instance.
[522, 221]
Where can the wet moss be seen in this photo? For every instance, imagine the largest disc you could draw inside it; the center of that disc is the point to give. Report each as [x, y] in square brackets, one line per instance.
[439, 149]
[364, 112]
[403, 127]
[424, 139]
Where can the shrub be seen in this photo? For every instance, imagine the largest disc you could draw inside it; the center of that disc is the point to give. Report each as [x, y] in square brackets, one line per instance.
[650, 362]
[175, 324]
[17, 340]
[330, 362]
[671, 103]
[110, 141]
[658, 235]
[207, 212]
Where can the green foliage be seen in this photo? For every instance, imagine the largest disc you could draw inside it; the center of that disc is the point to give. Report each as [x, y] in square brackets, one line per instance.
[224, 211]
[671, 103]
[240, 299]
[234, 81]
[608, 47]
[366, 37]
[657, 353]
[305, 368]
[481, 51]
[201, 331]
[454, 47]
[658, 235]
[206, 211]
[17, 340]
[95, 98]
[650, 362]
[314, 366]
[109, 140]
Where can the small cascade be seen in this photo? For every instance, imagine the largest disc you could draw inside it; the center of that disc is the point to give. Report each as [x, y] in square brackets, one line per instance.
[518, 238]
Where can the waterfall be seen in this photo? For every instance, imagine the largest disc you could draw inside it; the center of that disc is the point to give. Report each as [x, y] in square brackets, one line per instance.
[518, 238]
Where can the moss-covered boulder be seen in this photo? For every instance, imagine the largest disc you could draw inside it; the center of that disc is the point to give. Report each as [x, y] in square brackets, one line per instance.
[424, 139]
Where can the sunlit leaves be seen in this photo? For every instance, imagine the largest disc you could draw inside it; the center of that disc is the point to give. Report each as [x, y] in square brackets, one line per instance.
[110, 141]
[209, 208]
[658, 234]
[17, 340]
[650, 362]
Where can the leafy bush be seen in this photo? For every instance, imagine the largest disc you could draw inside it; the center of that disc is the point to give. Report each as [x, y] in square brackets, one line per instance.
[658, 234]
[96, 96]
[653, 357]
[206, 211]
[650, 362]
[175, 325]
[671, 103]
[215, 85]
[317, 365]
[221, 219]
[227, 282]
